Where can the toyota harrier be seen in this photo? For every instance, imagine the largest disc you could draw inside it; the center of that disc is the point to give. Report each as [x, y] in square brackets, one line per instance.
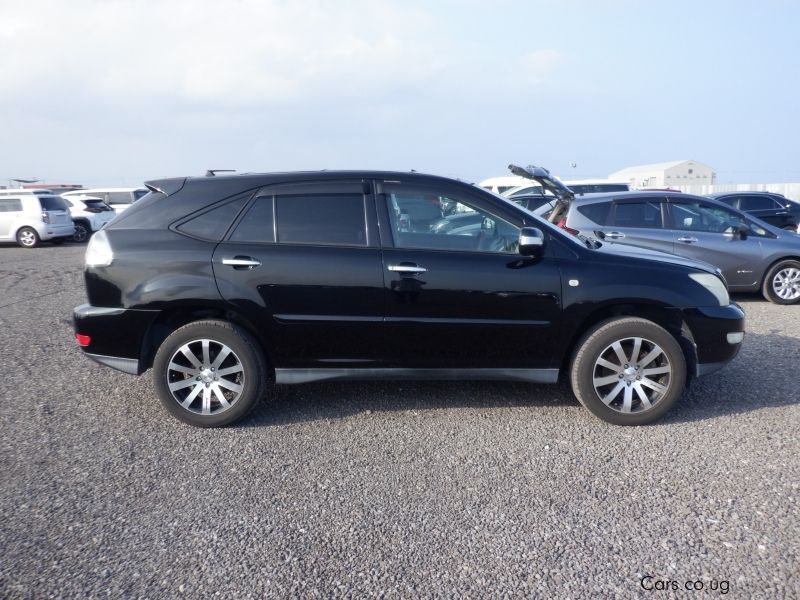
[223, 284]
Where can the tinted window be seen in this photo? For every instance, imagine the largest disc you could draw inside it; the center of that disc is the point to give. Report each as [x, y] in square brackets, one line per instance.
[432, 220]
[757, 203]
[638, 214]
[598, 188]
[321, 219]
[96, 204]
[52, 203]
[9, 205]
[596, 212]
[729, 200]
[138, 194]
[212, 224]
[257, 224]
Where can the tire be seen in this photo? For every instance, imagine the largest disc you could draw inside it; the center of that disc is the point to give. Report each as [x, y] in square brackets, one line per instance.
[197, 394]
[782, 282]
[82, 232]
[28, 238]
[629, 400]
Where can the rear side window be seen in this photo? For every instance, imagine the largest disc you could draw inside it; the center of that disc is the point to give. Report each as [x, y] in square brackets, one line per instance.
[638, 214]
[321, 219]
[212, 224]
[258, 224]
[52, 203]
[757, 203]
[596, 212]
[10, 205]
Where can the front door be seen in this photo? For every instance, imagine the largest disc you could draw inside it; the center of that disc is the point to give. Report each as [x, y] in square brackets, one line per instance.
[462, 297]
[708, 232]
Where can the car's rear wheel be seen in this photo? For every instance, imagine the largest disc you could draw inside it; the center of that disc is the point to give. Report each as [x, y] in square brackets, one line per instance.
[782, 282]
[27, 237]
[209, 373]
[82, 232]
[628, 371]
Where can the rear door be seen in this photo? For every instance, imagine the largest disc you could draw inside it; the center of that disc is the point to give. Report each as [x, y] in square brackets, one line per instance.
[707, 232]
[303, 264]
[765, 208]
[10, 212]
[463, 297]
[638, 221]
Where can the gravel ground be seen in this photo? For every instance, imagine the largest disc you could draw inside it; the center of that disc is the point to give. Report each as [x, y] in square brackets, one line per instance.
[396, 489]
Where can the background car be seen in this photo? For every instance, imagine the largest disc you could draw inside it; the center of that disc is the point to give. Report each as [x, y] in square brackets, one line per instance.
[771, 208]
[32, 216]
[89, 214]
[117, 198]
[752, 255]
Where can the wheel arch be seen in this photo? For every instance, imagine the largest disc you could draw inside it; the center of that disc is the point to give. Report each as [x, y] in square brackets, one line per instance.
[667, 317]
[174, 318]
[772, 264]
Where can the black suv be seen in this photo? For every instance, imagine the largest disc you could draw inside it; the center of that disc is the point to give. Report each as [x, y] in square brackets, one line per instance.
[774, 209]
[223, 283]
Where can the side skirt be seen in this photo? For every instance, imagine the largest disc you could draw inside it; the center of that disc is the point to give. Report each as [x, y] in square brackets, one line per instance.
[290, 376]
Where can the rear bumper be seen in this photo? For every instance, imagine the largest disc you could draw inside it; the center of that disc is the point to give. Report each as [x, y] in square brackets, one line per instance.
[116, 335]
[49, 232]
[714, 331]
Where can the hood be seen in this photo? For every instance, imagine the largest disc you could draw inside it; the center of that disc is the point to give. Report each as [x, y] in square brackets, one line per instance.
[617, 249]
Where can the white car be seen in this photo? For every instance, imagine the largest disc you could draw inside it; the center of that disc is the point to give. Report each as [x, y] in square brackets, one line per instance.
[29, 217]
[117, 198]
[89, 214]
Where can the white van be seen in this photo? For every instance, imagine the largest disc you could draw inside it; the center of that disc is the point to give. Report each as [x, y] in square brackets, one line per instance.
[117, 198]
[29, 217]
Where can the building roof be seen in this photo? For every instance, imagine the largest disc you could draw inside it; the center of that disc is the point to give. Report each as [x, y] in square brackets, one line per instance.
[663, 166]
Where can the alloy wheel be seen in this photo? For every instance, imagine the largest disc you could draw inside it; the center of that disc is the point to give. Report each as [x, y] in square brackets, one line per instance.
[205, 377]
[786, 283]
[27, 238]
[631, 375]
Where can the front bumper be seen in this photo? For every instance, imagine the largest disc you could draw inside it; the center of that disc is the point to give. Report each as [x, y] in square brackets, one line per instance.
[117, 335]
[710, 328]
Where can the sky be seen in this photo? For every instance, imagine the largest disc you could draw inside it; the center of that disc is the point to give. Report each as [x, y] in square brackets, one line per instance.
[117, 92]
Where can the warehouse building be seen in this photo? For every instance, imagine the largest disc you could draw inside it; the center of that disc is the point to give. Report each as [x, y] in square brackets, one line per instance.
[666, 175]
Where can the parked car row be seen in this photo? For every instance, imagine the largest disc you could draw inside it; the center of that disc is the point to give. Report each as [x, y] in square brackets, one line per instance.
[32, 216]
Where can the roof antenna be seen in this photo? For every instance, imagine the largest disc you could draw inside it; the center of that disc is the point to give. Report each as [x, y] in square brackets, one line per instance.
[213, 172]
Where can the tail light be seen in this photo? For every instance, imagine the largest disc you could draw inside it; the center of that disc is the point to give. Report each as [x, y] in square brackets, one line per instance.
[83, 340]
[563, 225]
[45, 217]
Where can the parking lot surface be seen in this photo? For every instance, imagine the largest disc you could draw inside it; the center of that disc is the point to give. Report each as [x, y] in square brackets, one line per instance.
[401, 489]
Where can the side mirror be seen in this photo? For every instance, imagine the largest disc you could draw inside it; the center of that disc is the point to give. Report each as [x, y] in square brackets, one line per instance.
[743, 230]
[531, 241]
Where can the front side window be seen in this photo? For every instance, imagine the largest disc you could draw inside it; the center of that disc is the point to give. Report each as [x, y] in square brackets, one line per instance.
[430, 219]
[702, 217]
[638, 214]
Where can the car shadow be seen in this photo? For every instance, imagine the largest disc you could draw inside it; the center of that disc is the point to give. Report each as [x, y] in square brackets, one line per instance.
[763, 376]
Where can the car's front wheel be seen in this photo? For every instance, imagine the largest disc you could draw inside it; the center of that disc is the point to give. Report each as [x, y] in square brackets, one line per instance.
[782, 283]
[209, 373]
[628, 371]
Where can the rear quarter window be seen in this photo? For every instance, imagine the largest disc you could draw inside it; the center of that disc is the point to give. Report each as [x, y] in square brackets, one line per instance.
[212, 224]
[10, 205]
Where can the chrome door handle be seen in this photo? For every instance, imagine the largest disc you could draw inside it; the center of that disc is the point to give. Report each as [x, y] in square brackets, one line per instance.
[687, 240]
[407, 269]
[241, 261]
[615, 235]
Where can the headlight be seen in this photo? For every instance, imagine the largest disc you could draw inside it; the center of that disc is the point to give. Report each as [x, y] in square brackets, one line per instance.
[714, 285]
[98, 252]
